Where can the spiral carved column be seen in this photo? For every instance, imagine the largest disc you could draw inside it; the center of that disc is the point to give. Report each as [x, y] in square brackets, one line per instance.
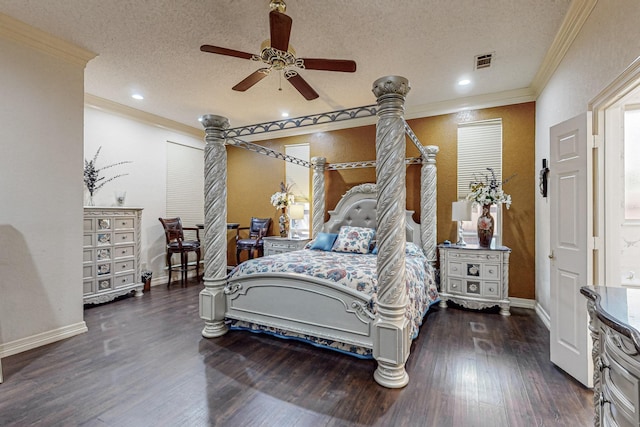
[391, 334]
[428, 206]
[318, 195]
[212, 298]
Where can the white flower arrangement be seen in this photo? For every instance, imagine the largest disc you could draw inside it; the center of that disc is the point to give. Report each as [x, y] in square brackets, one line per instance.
[282, 198]
[489, 191]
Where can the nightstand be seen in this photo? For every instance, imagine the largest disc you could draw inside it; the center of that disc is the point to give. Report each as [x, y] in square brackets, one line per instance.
[475, 277]
[277, 245]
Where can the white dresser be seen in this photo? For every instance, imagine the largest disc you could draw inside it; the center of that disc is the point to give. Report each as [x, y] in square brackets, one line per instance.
[111, 243]
[277, 245]
[615, 330]
[475, 277]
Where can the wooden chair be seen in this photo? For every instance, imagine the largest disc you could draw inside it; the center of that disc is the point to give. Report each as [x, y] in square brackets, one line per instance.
[258, 229]
[176, 244]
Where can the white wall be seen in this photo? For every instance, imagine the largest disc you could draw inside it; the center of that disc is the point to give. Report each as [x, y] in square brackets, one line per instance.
[41, 117]
[124, 138]
[608, 42]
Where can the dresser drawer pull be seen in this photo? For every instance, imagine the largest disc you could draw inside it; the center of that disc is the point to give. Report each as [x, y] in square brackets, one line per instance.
[491, 271]
[491, 289]
[454, 286]
[454, 268]
[124, 280]
[124, 251]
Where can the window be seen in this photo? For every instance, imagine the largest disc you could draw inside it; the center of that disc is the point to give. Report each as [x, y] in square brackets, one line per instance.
[185, 184]
[479, 148]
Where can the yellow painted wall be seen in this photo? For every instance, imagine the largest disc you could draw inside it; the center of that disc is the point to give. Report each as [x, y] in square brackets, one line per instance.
[253, 178]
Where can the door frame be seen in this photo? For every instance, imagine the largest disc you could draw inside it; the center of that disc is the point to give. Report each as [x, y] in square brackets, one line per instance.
[619, 88]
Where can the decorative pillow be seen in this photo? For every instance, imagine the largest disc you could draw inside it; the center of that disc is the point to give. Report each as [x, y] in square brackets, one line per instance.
[324, 241]
[375, 250]
[353, 239]
[413, 249]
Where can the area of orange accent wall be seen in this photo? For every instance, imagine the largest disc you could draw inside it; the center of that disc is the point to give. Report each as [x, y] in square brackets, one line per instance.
[253, 178]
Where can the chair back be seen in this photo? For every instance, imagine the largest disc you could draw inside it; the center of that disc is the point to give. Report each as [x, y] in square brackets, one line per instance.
[259, 227]
[172, 229]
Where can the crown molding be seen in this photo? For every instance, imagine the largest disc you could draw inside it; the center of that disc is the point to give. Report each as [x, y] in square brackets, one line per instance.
[26, 35]
[141, 116]
[579, 11]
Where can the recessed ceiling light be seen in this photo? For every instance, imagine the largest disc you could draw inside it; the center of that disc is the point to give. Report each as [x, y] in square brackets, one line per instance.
[285, 114]
[464, 82]
[137, 96]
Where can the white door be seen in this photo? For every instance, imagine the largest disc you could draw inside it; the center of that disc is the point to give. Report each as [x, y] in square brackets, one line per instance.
[569, 183]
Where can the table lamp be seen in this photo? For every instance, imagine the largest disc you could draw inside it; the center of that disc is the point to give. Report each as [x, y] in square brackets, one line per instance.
[296, 212]
[461, 211]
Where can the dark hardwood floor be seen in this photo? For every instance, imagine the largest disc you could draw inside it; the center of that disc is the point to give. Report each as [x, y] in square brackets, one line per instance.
[144, 363]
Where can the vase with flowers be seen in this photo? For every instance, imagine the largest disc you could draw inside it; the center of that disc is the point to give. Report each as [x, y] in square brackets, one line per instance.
[487, 192]
[92, 179]
[282, 200]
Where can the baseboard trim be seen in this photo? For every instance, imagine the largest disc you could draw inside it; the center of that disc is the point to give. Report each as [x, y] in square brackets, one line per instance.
[523, 303]
[544, 316]
[43, 338]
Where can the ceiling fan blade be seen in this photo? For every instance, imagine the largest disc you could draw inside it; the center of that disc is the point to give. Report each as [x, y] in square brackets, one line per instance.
[280, 26]
[225, 51]
[253, 78]
[344, 65]
[303, 87]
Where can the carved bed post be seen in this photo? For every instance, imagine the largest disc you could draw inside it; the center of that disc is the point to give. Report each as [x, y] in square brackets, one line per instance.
[212, 298]
[391, 329]
[318, 195]
[428, 203]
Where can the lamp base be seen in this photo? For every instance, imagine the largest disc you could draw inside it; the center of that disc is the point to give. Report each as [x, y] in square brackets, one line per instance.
[460, 241]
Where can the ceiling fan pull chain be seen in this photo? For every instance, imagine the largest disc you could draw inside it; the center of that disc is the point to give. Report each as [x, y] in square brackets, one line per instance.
[280, 81]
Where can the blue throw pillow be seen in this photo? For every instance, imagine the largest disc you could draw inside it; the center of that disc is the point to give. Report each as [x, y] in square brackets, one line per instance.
[324, 241]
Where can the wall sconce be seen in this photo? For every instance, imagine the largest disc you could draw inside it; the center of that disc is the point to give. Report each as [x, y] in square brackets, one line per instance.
[461, 211]
[296, 212]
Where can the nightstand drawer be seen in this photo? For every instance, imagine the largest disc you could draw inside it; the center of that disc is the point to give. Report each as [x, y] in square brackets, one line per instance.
[491, 271]
[455, 269]
[491, 289]
[455, 286]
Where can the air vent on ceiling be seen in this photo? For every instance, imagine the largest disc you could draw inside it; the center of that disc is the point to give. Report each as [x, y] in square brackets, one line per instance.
[483, 61]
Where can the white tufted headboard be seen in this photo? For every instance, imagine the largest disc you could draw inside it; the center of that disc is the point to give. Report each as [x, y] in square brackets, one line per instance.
[358, 208]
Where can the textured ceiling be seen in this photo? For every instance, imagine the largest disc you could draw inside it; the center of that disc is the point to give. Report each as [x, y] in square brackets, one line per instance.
[152, 47]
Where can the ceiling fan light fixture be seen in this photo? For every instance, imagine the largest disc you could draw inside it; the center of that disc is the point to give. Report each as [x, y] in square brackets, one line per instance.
[278, 5]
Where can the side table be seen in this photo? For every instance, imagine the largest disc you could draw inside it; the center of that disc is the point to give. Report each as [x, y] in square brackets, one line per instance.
[475, 277]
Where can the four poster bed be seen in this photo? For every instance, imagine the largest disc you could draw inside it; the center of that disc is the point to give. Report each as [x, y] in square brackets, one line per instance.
[333, 304]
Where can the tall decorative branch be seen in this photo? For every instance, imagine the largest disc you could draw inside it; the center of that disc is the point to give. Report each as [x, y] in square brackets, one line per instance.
[92, 179]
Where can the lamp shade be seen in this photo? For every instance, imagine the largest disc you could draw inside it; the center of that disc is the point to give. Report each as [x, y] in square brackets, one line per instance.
[461, 211]
[296, 211]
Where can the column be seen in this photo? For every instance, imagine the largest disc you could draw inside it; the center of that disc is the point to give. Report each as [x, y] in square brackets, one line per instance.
[212, 298]
[391, 328]
[428, 203]
[318, 195]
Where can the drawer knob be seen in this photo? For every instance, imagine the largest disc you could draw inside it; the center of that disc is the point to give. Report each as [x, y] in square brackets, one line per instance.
[124, 251]
[454, 286]
[454, 269]
[491, 271]
[124, 265]
[490, 289]
[124, 280]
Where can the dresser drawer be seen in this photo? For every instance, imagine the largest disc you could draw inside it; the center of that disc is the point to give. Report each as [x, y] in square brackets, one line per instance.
[123, 223]
[123, 280]
[123, 252]
[121, 266]
[87, 271]
[123, 237]
[491, 289]
[281, 245]
[87, 225]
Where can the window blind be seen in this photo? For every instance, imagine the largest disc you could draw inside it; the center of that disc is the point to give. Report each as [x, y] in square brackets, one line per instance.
[185, 183]
[479, 148]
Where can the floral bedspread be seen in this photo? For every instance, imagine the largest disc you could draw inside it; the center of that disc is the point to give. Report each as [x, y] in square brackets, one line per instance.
[356, 271]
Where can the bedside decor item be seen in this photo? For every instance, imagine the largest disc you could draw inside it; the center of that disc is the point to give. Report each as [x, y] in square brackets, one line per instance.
[296, 213]
[281, 200]
[120, 196]
[486, 193]
[461, 211]
[92, 179]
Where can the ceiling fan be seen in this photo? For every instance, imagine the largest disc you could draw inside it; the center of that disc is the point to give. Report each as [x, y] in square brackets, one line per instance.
[278, 55]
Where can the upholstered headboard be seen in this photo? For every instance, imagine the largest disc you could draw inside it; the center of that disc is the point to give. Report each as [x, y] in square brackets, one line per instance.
[358, 208]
